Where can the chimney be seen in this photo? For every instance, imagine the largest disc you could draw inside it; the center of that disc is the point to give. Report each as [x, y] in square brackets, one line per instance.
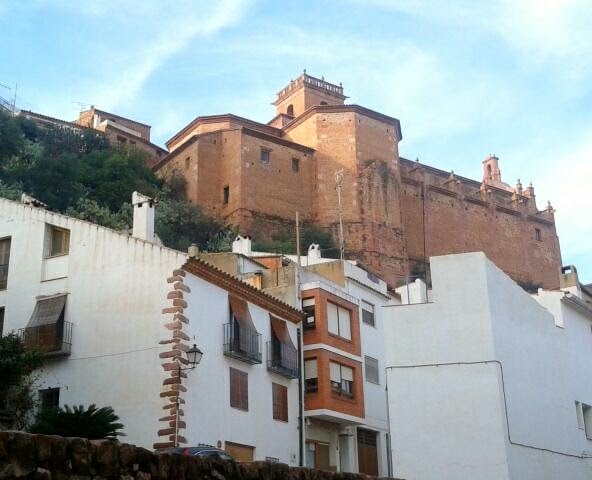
[143, 227]
[314, 252]
[242, 245]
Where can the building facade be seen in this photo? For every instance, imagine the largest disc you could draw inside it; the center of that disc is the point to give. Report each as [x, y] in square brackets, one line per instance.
[395, 213]
[487, 380]
[120, 131]
[116, 313]
[345, 412]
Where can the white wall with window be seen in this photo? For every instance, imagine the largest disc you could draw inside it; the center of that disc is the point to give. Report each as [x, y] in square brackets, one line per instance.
[93, 296]
[249, 423]
[103, 309]
[339, 320]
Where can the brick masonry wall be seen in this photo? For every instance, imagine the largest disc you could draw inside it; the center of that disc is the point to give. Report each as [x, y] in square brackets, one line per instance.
[44, 457]
[384, 209]
[274, 188]
[460, 217]
[173, 362]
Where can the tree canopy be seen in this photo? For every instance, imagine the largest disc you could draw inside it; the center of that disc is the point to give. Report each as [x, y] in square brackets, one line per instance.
[79, 173]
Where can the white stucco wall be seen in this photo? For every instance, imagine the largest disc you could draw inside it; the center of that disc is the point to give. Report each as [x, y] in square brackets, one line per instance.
[116, 288]
[208, 414]
[448, 420]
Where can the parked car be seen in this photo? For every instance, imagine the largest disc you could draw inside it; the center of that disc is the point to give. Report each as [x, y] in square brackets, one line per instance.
[200, 451]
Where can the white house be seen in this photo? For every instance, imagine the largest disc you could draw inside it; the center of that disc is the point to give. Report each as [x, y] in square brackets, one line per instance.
[486, 381]
[94, 298]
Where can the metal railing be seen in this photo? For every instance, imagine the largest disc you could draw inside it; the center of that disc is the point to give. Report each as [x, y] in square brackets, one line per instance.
[52, 339]
[282, 358]
[242, 343]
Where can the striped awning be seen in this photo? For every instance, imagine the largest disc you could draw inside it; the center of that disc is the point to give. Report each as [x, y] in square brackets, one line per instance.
[240, 311]
[47, 310]
[280, 330]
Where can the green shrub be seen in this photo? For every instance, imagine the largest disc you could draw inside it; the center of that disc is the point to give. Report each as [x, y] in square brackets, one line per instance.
[92, 423]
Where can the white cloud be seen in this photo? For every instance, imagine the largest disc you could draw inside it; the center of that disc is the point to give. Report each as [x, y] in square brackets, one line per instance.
[544, 32]
[166, 31]
[566, 182]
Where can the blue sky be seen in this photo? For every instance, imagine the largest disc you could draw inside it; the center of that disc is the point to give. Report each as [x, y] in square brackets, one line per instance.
[466, 78]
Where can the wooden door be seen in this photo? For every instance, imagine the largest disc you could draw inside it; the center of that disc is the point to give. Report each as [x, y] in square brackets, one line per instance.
[322, 456]
[367, 452]
[241, 453]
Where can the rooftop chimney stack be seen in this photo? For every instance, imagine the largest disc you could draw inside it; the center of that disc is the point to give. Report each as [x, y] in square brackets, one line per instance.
[143, 227]
[242, 245]
[314, 252]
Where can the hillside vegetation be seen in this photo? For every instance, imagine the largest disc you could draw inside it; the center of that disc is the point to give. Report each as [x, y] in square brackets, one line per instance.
[81, 174]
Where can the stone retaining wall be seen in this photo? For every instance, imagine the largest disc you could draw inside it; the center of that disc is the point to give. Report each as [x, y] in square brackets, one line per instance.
[44, 457]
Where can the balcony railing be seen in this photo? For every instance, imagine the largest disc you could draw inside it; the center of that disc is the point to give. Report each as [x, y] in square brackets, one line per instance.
[282, 359]
[242, 343]
[53, 339]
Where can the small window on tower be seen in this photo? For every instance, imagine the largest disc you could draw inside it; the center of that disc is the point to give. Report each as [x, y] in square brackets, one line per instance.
[187, 163]
[538, 235]
[226, 194]
[290, 110]
[295, 165]
[265, 156]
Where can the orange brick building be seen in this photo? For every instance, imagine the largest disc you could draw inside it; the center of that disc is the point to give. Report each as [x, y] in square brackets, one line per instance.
[395, 212]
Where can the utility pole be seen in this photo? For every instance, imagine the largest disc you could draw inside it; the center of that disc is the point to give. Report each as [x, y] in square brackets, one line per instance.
[338, 184]
[298, 261]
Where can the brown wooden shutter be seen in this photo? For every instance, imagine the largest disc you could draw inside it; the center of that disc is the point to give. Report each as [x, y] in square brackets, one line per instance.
[280, 402]
[244, 390]
[239, 389]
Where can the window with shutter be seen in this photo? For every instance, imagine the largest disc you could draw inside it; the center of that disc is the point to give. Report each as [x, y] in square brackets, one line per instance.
[4, 260]
[308, 307]
[371, 365]
[342, 379]
[339, 320]
[59, 241]
[368, 313]
[332, 318]
[311, 380]
[344, 323]
[280, 402]
[239, 389]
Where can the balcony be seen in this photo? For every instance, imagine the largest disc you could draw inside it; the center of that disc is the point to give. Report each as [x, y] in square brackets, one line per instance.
[242, 343]
[282, 359]
[53, 339]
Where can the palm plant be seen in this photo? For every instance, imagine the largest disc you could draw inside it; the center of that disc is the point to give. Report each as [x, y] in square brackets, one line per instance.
[92, 423]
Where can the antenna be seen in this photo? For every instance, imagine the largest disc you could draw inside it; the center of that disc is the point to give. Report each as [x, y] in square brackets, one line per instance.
[82, 105]
[338, 184]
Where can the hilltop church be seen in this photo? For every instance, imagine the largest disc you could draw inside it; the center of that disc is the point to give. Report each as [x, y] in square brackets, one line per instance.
[396, 213]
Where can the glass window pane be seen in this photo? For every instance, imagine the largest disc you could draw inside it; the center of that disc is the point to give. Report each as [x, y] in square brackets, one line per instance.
[332, 318]
[344, 323]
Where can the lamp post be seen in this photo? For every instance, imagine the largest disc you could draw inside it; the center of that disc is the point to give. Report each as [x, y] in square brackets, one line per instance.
[194, 355]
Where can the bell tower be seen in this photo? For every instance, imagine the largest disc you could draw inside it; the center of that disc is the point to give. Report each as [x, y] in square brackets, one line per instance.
[305, 92]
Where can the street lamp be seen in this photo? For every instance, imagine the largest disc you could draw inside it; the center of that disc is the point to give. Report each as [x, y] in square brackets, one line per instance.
[194, 355]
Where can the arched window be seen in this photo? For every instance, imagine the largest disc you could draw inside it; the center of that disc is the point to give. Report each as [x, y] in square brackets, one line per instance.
[290, 110]
[489, 171]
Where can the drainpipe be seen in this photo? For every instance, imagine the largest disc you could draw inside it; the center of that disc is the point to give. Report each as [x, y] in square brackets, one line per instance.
[300, 402]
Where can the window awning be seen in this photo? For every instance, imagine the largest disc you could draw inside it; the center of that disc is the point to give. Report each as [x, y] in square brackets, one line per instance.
[47, 311]
[280, 330]
[240, 311]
